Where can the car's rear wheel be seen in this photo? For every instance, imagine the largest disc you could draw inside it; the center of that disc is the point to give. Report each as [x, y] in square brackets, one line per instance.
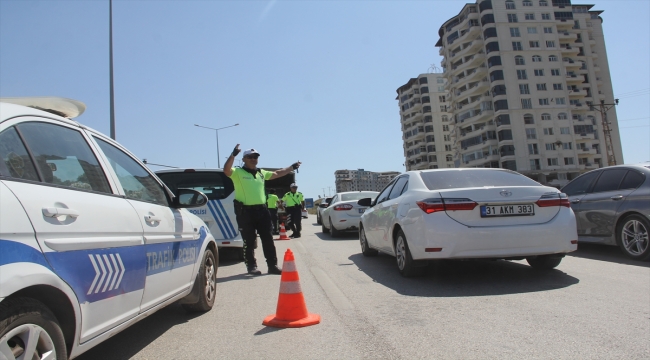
[29, 330]
[335, 233]
[405, 262]
[365, 249]
[207, 278]
[323, 228]
[633, 237]
[318, 220]
[544, 262]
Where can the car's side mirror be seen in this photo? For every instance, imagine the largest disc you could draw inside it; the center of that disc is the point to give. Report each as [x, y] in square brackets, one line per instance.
[365, 202]
[189, 198]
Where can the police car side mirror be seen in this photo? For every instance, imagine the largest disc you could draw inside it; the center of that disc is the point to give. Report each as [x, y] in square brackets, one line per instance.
[189, 198]
[365, 202]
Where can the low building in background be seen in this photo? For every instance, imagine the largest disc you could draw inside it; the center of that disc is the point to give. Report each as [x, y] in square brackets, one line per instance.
[362, 180]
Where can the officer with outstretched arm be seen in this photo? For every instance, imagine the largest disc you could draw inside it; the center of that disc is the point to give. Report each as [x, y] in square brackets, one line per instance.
[250, 207]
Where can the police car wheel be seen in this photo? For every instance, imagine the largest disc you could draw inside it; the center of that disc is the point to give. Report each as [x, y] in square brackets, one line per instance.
[29, 330]
[207, 278]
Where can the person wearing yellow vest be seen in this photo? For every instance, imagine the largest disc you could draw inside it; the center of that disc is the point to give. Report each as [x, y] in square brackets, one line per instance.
[272, 204]
[250, 207]
[295, 204]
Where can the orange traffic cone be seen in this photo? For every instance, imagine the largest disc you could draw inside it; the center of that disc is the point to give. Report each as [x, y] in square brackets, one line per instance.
[292, 310]
[283, 233]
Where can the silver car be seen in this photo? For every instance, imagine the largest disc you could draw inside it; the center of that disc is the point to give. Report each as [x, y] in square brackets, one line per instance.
[612, 206]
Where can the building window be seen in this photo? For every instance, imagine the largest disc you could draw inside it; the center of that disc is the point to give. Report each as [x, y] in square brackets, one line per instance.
[568, 161]
[550, 146]
[500, 105]
[550, 44]
[557, 86]
[441, 88]
[555, 72]
[424, 89]
[541, 87]
[496, 75]
[514, 32]
[534, 164]
[426, 99]
[543, 101]
[516, 46]
[532, 30]
[560, 101]
[510, 5]
[533, 44]
[552, 161]
[549, 131]
[546, 16]
[537, 58]
[565, 131]
[521, 75]
[443, 108]
[512, 18]
[539, 72]
[445, 127]
[448, 148]
[445, 118]
[529, 119]
[526, 104]
[440, 80]
[447, 137]
[548, 30]
[531, 134]
[543, 3]
[561, 116]
[552, 58]
[519, 60]
[527, 3]
[529, 16]
[510, 165]
[442, 98]
[532, 149]
[523, 89]
[567, 146]
[423, 80]
[546, 116]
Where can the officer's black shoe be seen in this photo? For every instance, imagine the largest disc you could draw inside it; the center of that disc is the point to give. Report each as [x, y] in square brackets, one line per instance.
[275, 270]
[296, 235]
[253, 271]
[292, 235]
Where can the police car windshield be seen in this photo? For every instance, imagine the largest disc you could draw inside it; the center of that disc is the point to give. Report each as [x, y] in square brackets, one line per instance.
[359, 195]
[215, 185]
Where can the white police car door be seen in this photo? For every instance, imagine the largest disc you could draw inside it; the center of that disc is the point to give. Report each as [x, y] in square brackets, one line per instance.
[90, 236]
[171, 251]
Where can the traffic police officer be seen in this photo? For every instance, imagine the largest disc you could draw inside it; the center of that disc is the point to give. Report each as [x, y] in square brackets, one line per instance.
[272, 204]
[295, 205]
[250, 207]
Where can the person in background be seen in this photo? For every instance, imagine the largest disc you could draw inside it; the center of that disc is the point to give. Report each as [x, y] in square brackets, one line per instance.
[250, 207]
[295, 204]
[272, 204]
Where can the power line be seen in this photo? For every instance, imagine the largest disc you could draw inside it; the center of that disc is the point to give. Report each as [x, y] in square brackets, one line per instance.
[629, 127]
[633, 91]
[634, 119]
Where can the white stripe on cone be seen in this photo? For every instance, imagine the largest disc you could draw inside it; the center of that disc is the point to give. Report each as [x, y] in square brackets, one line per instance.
[290, 287]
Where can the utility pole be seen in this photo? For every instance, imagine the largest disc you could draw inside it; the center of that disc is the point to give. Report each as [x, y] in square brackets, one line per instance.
[609, 147]
[110, 67]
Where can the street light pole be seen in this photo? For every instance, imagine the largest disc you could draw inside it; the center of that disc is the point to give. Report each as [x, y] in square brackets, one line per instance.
[217, 134]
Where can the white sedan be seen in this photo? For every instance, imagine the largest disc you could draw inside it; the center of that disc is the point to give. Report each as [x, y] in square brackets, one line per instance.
[343, 212]
[468, 213]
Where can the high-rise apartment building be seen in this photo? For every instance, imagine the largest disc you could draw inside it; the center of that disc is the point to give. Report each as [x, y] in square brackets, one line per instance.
[526, 79]
[362, 180]
[426, 123]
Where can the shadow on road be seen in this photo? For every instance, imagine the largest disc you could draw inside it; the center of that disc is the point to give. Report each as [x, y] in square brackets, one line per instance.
[266, 330]
[448, 278]
[345, 236]
[606, 253]
[131, 341]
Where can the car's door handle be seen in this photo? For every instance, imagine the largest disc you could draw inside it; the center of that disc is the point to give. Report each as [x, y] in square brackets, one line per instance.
[57, 211]
[575, 201]
[617, 197]
[152, 218]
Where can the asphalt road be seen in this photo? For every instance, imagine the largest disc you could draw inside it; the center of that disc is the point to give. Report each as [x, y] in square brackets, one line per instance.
[595, 305]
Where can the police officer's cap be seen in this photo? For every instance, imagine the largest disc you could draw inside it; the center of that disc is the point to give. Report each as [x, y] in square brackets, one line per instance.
[293, 185]
[250, 151]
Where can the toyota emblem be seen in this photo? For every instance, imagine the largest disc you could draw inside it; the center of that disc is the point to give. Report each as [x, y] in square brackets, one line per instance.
[505, 193]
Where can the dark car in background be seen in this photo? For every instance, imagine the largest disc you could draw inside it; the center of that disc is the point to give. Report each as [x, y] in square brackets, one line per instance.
[612, 206]
[322, 206]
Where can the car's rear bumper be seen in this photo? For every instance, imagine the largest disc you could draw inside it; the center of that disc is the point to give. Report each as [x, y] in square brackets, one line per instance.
[236, 242]
[344, 222]
[457, 241]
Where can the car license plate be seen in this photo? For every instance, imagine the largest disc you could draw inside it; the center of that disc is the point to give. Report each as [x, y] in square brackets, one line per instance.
[361, 211]
[507, 210]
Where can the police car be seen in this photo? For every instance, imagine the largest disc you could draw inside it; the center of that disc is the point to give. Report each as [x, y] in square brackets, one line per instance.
[218, 213]
[90, 240]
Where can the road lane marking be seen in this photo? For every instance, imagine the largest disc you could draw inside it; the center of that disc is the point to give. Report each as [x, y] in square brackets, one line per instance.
[332, 291]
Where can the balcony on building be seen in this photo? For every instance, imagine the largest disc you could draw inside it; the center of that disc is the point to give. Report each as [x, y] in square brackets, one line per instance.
[567, 49]
[575, 92]
[571, 63]
[567, 36]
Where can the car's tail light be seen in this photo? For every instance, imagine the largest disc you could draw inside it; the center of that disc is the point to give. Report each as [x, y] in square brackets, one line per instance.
[343, 207]
[433, 205]
[560, 199]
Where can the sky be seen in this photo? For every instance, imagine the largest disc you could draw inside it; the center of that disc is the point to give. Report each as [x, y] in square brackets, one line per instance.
[309, 81]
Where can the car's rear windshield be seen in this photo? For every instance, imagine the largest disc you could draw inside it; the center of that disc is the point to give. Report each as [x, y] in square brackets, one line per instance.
[215, 185]
[359, 195]
[455, 179]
